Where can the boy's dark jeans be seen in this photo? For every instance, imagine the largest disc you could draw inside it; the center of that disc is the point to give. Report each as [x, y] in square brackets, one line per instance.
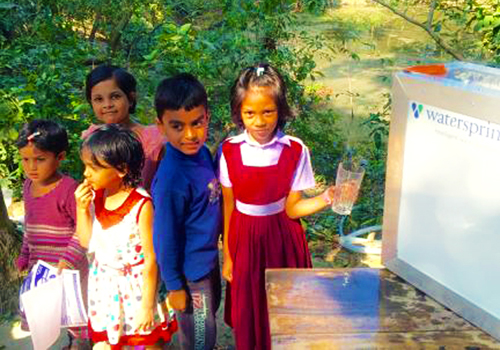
[197, 325]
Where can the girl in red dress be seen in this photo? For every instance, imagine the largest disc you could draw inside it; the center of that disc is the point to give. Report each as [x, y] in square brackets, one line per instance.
[263, 173]
[115, 223]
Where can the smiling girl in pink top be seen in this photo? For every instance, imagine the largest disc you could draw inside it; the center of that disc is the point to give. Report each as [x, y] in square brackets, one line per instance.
[112, 93]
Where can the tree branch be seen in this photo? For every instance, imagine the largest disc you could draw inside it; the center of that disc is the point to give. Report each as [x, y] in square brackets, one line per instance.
[429, 31]
[431, 14]
[95, 26]
[116, 32]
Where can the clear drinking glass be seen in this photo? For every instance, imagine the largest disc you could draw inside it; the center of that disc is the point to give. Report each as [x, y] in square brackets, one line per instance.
[347, 186]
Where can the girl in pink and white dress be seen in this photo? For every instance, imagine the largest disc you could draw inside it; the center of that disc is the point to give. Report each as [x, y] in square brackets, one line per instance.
[114, 220]
[263, 173]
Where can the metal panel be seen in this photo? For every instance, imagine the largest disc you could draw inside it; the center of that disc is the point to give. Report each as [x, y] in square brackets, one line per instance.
[430, 237]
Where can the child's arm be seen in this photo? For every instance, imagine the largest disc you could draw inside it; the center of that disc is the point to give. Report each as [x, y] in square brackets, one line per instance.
[227, 266]
[24, 256]
[22, 261]
[297, 207]
[144, 319]
[83, 197]
[169, 240]
[74, 252]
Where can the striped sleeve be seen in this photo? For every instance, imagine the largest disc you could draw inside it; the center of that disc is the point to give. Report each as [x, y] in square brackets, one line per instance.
[24, 257]
[74, 251]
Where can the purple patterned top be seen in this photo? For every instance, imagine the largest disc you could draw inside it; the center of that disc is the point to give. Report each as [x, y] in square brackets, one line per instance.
[50, 222]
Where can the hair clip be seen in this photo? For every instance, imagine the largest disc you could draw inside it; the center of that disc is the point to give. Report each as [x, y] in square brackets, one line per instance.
[259, 71]
[33, 135]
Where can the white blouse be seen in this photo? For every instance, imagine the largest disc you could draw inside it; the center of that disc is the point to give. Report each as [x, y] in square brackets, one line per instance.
[257, 155]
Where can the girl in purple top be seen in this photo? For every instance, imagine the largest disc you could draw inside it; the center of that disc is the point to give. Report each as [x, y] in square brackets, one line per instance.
[50, 209]
[112, 93]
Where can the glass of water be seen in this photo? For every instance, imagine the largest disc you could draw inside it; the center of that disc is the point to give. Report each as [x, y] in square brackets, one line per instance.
[347, 186]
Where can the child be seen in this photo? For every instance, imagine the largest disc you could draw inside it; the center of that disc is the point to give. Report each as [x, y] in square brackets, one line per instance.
[114, 220]
[49, 204]
[262, 173]
[187, 222]
[111, 91]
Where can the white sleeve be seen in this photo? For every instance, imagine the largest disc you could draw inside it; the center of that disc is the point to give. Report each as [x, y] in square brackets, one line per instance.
[223, 172]
[304, 175]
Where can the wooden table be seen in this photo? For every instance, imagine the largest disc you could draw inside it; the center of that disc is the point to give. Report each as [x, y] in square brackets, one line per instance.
[361, 308]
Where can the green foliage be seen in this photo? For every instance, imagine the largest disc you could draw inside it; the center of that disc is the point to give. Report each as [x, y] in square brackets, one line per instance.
[320, 130]
[484, 19]
[370, 206]
[11, 110]
[314, 6]
[48, 47]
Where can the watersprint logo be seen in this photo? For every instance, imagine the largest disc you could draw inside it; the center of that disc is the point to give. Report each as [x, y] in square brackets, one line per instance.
[417, 109]
[456, 123]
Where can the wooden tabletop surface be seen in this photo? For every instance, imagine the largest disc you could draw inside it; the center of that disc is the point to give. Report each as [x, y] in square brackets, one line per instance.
[361, 308]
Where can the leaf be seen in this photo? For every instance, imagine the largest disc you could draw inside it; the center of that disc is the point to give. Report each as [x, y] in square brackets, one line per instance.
[78, 108]
[13, 134]
[7, 6]
[184, 29]
[152, 55]
[377, 138]
[27, 101]
[208, 44]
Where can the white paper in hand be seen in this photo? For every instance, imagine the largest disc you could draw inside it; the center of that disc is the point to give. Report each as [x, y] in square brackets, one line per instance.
[73, 311]
[43, 312]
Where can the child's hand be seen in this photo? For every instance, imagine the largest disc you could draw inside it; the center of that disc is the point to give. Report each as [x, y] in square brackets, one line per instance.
[144, 320]
[227, 269]
[84, 195]
[61, 265]
[22, 264]
[329, 194]
[178, 299]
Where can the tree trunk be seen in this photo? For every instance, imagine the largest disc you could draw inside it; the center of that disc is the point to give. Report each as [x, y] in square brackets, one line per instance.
[95, 26]
[5, 224]
[114, 38]
[10, 245]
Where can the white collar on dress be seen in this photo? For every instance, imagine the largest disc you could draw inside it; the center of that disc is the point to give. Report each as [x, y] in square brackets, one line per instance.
[280, 137]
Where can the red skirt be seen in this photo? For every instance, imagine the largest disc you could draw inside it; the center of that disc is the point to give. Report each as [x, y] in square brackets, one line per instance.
[163, 333]
[257, 243]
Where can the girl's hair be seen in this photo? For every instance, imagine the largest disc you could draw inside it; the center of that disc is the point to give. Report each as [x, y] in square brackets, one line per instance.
[125, 81]
[260, 75]
[120, 148]
[45, 134]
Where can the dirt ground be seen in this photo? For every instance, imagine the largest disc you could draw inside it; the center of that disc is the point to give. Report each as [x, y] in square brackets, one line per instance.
[11, 337]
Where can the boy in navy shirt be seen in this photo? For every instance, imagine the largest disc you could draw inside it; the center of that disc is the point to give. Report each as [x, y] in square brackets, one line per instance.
[187, 221]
